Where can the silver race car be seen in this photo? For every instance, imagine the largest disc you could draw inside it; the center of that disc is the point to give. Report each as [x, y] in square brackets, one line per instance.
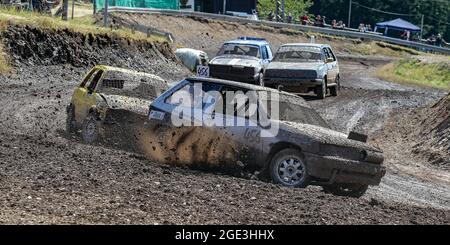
[197, 123]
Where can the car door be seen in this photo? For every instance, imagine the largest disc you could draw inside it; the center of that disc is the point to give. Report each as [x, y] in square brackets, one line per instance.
[265, 56]
[331, 63]
[335, 64]
[175, 132]
[241, 124]
[84, 95]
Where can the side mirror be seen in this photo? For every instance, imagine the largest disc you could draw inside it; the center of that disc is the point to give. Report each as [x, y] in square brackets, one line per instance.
[329, 60]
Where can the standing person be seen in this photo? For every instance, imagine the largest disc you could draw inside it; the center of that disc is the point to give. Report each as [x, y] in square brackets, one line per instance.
[440, 40]
[362, 27]
[270, 17]
[304, 20]
[289, 18]
[318, 20]
[403, 35]
[324, 23]
[334, 24]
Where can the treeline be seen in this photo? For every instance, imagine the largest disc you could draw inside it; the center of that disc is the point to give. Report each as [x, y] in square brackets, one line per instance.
[436, 12]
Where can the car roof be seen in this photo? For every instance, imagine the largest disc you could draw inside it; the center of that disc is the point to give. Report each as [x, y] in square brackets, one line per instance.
[244, 86]
[318, 45]
[123, 70]
[248, 42]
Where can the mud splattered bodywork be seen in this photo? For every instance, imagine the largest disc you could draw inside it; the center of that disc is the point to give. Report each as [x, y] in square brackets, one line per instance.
[241, 60]
[117, 102]
[331, 156]
[303, 67]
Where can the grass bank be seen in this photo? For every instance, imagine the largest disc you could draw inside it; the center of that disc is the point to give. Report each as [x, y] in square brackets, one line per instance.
[380, 48]
[85, 24]
[419, 72]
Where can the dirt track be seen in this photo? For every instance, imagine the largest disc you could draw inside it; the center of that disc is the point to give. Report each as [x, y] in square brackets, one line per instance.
[48, 177]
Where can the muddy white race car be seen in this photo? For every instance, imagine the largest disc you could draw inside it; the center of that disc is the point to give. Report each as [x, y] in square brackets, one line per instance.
[242, 60]
[304, 67]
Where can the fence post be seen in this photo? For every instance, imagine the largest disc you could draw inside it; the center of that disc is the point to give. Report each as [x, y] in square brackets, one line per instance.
[65, 9]
[105, 14]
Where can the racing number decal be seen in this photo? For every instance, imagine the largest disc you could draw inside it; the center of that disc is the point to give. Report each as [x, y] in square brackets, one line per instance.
[203, 71]
[252, 135]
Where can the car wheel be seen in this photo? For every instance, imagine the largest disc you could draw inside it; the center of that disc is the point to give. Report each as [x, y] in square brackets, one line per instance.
[90, 130]
[348, 190]
[70, 120]
[334, 91]
[261, 80]
[288, 168]
[321, 91]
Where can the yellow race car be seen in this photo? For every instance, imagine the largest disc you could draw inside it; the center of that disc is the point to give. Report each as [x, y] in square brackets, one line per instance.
[110, 97]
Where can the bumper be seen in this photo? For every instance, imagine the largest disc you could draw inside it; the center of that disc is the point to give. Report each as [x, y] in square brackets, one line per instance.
[337, 170]
[236, 77]
[293, 82]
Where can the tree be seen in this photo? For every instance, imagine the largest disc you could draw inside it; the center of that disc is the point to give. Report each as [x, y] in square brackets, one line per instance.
[296, 7]
[436, 12]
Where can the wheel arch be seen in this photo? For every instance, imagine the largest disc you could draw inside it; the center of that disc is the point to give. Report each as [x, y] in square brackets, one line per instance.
[277, 147]
[93, 110]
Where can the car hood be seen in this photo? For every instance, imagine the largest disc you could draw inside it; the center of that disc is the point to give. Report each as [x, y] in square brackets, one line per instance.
[294, 65]
[236, 61]
[325, 135]
[119, 102]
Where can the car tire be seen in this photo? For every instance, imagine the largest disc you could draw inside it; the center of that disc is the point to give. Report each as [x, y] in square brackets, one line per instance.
[91, 128]
[70, 120]
[261, 80]
[288, 168]
[334, 91]
[348, 190]
[321, 91]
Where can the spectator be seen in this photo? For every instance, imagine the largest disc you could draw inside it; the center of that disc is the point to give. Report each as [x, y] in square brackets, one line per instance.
[340, 25]
[289, 17]
[439, 40]
[271, 16]
[405, 35]
[304, 20]
[431, 40]
[368, 28]
[318, 21]
[324, 23]
[362, 27]
[334, 24]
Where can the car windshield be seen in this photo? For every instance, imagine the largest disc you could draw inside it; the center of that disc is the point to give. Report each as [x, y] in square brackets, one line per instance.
[298, 54]
[239, 49]
[132, 84]
[293, 109]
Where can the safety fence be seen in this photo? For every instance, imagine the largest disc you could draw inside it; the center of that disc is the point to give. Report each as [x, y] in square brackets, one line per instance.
[304, 28]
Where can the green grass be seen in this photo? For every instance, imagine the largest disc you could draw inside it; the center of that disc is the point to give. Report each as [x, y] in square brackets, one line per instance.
[418, 72]
[380, 48]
